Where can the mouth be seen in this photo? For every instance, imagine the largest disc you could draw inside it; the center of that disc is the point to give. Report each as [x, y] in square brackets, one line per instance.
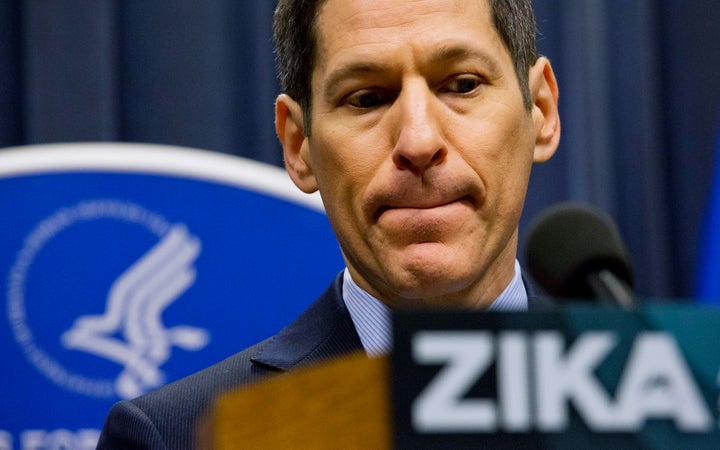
[409, 208]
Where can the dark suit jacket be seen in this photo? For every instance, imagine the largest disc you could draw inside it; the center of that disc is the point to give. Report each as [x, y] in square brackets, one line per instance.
[166, 418]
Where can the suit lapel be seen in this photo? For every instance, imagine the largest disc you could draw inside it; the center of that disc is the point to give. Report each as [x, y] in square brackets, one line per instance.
[324, 330]
[538, 300]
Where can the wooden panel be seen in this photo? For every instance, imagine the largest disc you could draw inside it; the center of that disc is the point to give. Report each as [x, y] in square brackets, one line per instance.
[343, 403]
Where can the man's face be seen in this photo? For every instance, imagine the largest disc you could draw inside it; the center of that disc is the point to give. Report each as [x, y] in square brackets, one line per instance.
[420, 146]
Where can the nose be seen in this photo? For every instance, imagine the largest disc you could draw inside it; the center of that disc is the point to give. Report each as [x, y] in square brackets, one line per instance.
[420, 144]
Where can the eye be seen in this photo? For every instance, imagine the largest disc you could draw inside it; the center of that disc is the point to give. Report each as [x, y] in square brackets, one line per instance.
[462, 84]
[366, 99]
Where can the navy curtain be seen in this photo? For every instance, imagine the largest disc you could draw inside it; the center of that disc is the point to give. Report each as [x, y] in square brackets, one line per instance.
[640, 99]
[180, 72]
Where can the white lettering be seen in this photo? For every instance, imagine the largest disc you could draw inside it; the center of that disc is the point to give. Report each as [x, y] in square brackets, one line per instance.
[513, 381]
[657, 383]
[87, 439]
[60, 440]
[32, 440]
[564, 378]
[84, 439]
[6, 440]
[440, 407]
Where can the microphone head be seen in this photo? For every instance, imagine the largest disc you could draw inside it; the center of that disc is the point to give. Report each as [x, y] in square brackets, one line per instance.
[570, 241]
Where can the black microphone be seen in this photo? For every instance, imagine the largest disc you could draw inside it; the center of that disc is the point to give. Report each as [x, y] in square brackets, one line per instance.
[575, 251]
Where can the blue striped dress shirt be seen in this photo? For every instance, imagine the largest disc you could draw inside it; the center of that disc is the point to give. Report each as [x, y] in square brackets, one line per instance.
[373, 322]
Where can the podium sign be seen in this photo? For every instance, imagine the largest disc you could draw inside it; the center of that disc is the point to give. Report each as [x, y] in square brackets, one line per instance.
[581, 376]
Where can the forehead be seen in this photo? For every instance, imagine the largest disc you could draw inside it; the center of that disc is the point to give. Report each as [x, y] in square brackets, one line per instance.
[347, 29]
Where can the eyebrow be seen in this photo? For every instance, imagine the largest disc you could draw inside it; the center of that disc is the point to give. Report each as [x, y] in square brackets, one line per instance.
[443, 55]
[449, 53]
[350, 71]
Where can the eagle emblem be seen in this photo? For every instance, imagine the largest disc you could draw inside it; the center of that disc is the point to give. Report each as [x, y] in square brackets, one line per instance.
[130, 332]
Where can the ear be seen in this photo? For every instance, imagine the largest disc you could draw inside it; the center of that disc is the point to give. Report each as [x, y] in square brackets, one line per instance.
[544, 91]
[296, 151]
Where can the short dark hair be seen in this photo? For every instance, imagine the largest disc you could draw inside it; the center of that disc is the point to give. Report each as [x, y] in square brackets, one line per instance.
[295, 44]
[514, 21]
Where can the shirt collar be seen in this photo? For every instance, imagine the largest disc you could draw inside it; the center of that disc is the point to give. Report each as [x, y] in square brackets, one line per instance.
[372, 318]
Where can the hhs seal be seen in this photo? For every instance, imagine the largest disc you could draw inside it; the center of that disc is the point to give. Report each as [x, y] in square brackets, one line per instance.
[111, 341]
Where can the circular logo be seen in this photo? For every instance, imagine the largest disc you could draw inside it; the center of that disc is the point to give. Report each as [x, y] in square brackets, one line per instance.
[130, 332]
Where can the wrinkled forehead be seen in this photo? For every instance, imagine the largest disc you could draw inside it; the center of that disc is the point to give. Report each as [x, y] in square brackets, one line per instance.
[335, 18]
[345, 29]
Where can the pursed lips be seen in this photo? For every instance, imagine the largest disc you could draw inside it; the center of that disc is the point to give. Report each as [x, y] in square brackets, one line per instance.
[431, 198]
[411, 210]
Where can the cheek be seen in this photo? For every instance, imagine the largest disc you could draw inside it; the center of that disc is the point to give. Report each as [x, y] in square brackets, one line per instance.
[502, 158]
[346, 159]
[342, 178]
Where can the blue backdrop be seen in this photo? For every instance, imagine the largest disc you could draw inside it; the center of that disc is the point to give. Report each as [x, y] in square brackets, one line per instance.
[708, 276]
[640, 99]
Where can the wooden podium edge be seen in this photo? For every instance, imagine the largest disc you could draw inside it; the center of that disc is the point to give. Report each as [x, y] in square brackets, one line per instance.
[342, 403]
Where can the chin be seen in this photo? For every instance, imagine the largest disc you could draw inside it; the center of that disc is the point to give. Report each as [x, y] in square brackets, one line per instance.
[440, 288]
